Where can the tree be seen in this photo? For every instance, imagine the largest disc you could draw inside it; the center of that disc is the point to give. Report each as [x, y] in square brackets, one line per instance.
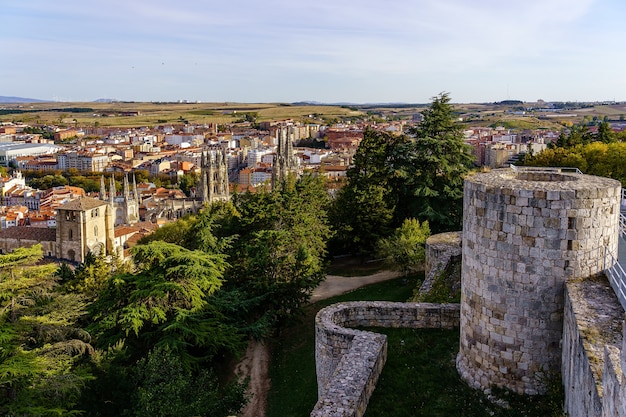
[363, 210]
[42, 349]
[404, 249]
[166, 302]
[279, 257]
[605, 133]
[432, 168]
[166, 388]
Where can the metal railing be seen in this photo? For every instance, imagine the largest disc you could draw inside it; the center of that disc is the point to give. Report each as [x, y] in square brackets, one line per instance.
[622, 225]
[571, 170]
[623, 202]
[616, 275]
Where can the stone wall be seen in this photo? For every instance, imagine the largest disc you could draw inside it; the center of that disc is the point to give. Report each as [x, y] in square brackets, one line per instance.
[526, 233]
[349, 361]
[440, 249]
[592, 335]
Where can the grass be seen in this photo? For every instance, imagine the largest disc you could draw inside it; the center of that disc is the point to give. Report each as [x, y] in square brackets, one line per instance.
[419, 378]
[294, 385]
[160, 113]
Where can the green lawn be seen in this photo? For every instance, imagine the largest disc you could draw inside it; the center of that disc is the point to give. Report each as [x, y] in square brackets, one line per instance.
[419, 378]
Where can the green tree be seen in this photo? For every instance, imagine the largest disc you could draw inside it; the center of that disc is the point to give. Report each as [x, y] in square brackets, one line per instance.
[605, 133]
[432, 168]
[279, 258]
[166, 302]
[42, 348]
[404, 249]
[166, 388]
[187, 182]
[363, 210]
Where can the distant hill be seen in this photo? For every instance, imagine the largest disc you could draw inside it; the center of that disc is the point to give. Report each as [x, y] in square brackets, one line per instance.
[9, 99]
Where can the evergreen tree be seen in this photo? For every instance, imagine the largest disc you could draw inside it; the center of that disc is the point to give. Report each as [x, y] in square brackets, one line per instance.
[42, 349]
[362, 212]
[433, 168]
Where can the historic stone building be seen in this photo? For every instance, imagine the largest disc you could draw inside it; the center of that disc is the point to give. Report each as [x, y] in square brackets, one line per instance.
[213, 182]
[83, 225]
[285, 162]
[126, 205]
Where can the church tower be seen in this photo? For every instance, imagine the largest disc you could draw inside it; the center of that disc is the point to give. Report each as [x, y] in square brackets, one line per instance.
[125, 207]
[285, 162]
[213, 182]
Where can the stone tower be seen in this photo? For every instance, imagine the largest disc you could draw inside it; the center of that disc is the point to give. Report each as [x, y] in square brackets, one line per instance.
[126, 205]
[525, 233]
[213, 182]
[285, 161]
[84, 225]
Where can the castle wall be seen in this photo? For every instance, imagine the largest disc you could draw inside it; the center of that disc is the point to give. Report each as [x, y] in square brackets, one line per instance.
[439, 250]
[348, 361]
[525, 233]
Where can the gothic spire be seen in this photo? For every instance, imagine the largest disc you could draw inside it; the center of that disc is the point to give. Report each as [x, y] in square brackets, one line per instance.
[103, 190]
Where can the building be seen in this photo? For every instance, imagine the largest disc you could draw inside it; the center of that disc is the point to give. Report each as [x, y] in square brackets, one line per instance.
[83, 225]
[213, 184]
[285, 162]
[83, 161]
[11, 150]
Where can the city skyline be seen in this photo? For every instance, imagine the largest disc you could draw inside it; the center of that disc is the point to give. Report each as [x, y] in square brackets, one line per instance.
[279, 50]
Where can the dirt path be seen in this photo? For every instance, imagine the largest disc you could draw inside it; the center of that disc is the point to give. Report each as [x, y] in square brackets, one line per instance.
[255, 362]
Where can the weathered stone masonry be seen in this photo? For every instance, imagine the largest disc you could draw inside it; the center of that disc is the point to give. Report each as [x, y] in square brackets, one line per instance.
[349, 361]
[525, 234]
[532, 300]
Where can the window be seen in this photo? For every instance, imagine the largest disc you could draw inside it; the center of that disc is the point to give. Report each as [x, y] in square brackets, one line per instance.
[95, 231]
[71, 234]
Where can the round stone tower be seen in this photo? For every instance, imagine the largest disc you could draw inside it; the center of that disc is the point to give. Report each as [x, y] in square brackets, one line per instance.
[525, 233]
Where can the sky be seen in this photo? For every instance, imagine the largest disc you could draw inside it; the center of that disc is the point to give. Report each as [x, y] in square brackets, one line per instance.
[358, 51]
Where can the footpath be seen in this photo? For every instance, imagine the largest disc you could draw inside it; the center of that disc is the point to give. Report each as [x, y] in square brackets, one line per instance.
[256, 360]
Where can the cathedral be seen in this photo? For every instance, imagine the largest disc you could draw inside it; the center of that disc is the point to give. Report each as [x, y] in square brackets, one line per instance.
[125, 205]
[285, 162]
[213, 182]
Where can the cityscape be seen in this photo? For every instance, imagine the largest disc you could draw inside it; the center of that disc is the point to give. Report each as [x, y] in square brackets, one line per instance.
[325, 209]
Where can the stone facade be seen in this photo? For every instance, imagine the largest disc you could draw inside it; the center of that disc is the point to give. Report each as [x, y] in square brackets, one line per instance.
[440, 250]
[525, 233]
[348, 361]
[84, 225]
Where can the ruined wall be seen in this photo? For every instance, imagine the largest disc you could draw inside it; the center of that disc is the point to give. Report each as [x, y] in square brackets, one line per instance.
[525, 234]
[349, 361]
[439, 249]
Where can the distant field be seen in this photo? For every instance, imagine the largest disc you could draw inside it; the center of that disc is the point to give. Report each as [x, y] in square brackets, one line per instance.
[150, 114]
[109, 114]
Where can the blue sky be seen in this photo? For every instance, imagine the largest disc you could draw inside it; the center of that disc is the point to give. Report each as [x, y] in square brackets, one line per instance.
[322, 50]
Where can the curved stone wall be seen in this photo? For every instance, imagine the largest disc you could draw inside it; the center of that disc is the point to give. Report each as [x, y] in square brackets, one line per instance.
[525, 233]
[349, 361]
[440, 249]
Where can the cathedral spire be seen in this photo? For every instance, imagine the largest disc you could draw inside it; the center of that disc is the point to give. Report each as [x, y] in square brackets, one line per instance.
[103, 190]
[135, 190]
[112, 189]
[126, 188]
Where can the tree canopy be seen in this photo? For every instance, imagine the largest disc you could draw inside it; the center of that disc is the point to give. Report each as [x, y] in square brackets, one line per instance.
[395, 177]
